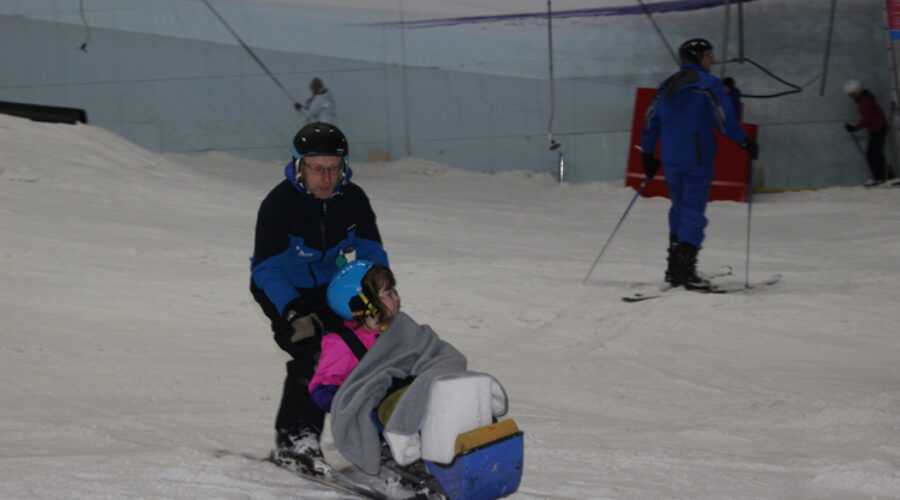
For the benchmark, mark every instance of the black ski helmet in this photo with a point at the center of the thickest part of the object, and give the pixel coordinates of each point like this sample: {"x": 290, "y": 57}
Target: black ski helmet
{"x": 320, "y": 139}
{"x": 692, "y": 50}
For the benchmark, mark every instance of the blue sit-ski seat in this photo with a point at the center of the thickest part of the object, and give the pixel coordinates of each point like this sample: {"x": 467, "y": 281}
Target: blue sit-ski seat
{"x": 487, "y": 464}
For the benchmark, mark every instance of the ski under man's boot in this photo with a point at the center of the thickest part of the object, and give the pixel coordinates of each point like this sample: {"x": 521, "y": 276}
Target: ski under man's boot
{"x": 684, "y": 272}
{"x": 300, "y": 450}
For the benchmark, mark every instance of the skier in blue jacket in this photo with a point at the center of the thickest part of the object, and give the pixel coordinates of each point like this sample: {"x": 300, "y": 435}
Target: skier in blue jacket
{"x": 686, "y": 108}
{"x": 307, "y": 227}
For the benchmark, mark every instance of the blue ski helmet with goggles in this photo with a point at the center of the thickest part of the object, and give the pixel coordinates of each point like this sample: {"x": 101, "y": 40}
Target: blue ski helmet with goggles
{"x": 320, "y": 139}
{"x": 345, "y": 292}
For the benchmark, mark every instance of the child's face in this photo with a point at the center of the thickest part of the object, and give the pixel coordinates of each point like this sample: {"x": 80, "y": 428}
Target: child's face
{"x": 390, "y": 299}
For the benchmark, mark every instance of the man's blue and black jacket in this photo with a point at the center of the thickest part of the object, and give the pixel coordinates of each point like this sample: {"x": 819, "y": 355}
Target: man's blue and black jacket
{"x": 300, "y": 240}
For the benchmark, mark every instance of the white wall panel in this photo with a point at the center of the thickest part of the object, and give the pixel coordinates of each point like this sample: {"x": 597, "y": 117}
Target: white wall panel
{"x": 461, "y": 82}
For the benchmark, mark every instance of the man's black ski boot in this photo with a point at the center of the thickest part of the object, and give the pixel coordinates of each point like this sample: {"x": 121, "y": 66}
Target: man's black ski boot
{"x": 299, "y": 449}
{"x": 685, "y": 268}
{"x": 670, "y": 259}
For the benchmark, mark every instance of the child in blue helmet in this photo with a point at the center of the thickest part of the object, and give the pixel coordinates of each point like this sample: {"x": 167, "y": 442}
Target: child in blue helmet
{"x": 363, "y": 294}
{"x": 380, "y": 363}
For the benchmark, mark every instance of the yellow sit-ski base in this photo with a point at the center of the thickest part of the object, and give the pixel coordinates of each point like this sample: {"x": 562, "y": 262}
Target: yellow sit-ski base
{"x": 484, "y": 435}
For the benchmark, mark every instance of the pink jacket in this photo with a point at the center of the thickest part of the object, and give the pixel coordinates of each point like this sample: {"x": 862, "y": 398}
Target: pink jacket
{"x": 872, "y": 116}
{"x": 337, "y": 360}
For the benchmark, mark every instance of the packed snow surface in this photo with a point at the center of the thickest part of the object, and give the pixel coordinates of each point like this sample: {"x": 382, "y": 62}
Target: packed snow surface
{"x": 131, "y": 349}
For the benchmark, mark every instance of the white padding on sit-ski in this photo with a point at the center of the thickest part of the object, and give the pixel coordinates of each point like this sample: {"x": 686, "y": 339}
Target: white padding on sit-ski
{"x": 456, "y": 405}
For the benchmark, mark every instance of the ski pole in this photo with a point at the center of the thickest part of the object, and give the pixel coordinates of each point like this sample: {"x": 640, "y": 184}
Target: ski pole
{"x": 863, "y": 153}
{"x": 858, "y": 145}
{"x": 640, "y": 189}
{"x": 749, "y": 211}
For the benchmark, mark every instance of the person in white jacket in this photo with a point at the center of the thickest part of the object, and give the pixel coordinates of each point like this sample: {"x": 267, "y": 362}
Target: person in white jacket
{"x": 320, "y": 105}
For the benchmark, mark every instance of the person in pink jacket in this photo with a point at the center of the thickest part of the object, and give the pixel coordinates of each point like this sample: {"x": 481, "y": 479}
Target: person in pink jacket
{"x": 364, "y": 295}
{"x": 873, "y": 120}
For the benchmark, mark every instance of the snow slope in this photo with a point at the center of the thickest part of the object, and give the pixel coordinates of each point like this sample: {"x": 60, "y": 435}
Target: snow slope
{"x": 131, "y": 350}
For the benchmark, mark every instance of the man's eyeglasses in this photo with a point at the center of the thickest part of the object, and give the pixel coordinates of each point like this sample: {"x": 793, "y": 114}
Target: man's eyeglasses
{"x": 321, "y": 170}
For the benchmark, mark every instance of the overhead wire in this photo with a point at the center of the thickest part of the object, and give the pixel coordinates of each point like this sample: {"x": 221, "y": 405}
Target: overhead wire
{"x": 659, "y": 32}
{"x": 794, "y": 88}
{"x": 87, "y": 27}
{"x": 296, "y": 104}
{"x": 740, "y": 59}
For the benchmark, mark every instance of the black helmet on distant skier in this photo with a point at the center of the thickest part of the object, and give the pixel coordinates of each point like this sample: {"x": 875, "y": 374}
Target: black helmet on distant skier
{"x": 692, "y": 50}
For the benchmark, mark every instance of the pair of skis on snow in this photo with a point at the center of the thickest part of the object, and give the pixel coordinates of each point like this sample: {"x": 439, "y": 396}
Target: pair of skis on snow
{"x": 713, "y": 288}
{"x": 399, "y": 483}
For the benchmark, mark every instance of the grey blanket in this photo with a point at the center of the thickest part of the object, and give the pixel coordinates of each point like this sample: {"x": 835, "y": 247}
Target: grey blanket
{"x": 405, "y": 348}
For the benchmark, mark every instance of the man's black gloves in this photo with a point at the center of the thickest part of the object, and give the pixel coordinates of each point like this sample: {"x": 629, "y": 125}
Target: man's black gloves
{"x": 298, "y": 106}
{"x": 651, "y": 165}
{"x": 849, "y": 128}
{"x": 304, "y": 327}
{"x": 751, "y": 148}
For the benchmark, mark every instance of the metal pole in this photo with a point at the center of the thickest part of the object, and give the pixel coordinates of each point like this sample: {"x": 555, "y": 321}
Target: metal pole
{"x": 553, "y": 144}
{"x": 562, "y": 165}
{"x": 749, "y": 212}
{"x": 740, "y": 30}
{"x": 404, "y": 80}
{"x": 641, "y": 189}
{"x": 895, "y": 89}
{"x": 827, "y": 49}
{"x": 725, "y": 38}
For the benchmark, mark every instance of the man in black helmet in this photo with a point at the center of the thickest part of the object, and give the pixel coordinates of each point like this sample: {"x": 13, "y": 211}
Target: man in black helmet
{"x": 687, "y": 107}
{"x": 308, "y": 226}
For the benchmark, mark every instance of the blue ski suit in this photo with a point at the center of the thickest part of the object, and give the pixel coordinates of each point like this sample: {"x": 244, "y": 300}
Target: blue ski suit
{"x": 682, "y": 114}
